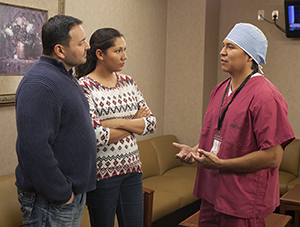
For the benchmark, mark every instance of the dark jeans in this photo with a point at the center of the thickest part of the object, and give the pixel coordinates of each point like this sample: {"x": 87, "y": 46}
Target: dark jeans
{"x": 39, "y": 212}
{"x": 121, "y": 194}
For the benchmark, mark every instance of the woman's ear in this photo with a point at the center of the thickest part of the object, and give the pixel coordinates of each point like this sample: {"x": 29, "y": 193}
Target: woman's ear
{"x": 59, "y": 51}
{"x": 99, "y": 54}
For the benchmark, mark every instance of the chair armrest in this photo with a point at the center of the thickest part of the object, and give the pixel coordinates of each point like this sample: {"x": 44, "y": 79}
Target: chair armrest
{"x": 148, "y": 206}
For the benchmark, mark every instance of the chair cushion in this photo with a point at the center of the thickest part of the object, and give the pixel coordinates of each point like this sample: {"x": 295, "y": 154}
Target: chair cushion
{"x": 284, "y": 179}
{"x": 182, "y": 187}
{"x": 166, "y": 152}
{"x": 164, "y": 203}
{"x": 10, "y": 214}
{"x": 291, "y": 157}
{"x": 149, "y": 159}
{"x": 292, "y": 183}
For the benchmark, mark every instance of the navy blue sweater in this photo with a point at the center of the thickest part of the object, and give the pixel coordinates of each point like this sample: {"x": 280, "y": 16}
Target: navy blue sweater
{"x": 56, "y": 143}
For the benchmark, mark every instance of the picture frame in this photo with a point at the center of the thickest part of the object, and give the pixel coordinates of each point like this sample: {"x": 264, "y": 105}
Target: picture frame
{"x": 9, "y": 81}
{"x": 7, "y": 99}
{"x": 61, "y": 6}
{"x": 21, "y": 42}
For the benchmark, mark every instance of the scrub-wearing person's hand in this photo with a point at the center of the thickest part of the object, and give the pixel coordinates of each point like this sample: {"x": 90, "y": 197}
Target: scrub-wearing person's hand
{"x": 207, "y": 159}
{"x": 185, "y": 153}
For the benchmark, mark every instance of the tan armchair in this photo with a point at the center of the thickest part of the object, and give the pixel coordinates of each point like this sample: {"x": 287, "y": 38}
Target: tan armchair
{"x": 148, "y": 206}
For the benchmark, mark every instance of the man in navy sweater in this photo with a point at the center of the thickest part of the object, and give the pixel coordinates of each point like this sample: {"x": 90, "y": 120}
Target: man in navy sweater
{"x": 56, "y": 143}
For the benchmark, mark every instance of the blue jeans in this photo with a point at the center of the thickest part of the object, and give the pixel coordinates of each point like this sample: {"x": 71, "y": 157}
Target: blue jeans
{"x": 121, "y": 194}
{"x": 39, "y": 212}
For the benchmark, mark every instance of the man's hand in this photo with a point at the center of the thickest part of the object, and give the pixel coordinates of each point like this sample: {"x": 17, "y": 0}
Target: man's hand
{"x": 185, "y": 153}
{"x": 207, "y": 159}
{"x": 71, "y": 200}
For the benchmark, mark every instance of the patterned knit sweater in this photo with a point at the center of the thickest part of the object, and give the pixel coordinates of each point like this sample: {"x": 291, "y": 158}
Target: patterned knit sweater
{"x": 121, "y": 101}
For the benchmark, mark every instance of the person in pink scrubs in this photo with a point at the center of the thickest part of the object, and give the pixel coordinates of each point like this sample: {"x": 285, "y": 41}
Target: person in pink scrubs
{"x": 244, "y": 133}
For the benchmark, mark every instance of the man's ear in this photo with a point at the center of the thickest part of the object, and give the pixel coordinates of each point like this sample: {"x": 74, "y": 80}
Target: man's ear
{"x": 99, "y": 54}
{"x": 250, "y": 59}
{"x": 59, "y": 51}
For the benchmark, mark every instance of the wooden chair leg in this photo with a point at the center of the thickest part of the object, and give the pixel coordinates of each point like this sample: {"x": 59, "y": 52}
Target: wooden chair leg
{"x": 297, "y": 218}
{"x": 148, "y": 206}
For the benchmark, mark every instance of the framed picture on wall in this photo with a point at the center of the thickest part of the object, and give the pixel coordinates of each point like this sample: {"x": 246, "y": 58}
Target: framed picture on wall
{"x": 7, "y": 99}
{"x": 20, "y": 38}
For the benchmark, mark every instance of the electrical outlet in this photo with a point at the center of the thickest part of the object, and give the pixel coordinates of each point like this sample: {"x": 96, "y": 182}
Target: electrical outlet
{"x": 260, "y": 13}
{"x": 275, "y": 13}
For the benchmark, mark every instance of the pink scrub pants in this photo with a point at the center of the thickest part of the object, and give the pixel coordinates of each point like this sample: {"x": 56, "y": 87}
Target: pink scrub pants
{"x": 208, "y": 217}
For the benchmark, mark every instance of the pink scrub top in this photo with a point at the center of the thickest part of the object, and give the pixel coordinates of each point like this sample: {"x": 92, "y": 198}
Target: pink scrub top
{"x": 256, "y": 119}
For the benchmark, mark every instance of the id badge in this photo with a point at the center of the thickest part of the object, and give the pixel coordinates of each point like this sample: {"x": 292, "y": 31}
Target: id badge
{"x": 216, "y": 145}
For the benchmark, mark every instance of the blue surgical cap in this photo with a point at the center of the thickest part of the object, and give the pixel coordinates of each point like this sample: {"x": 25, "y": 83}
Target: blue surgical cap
{"x": 251, "y": 39}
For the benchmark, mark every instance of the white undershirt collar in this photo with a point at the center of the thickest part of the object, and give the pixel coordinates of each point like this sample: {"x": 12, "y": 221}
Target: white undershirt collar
{"x": 230, "y": 91}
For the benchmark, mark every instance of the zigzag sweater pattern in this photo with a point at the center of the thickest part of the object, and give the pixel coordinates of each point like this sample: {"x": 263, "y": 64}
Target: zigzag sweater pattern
{"x": 121, "y": 101}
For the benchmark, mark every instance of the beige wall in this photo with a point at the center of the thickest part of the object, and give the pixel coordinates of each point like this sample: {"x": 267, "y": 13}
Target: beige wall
{"x": 8, "y": 84}
{"x": 184, "y": 69}
{"x": 144, "y": 24}
{"x": 282, "y": 67}
{"x": 173, "y": 49}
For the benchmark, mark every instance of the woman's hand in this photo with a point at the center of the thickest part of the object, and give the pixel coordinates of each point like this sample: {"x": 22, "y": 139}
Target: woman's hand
{"x": 117, "y": 123}
{"x": 143, "y": 112}
{"x": 135, "y": 125}
{"x": 111, "y": 123}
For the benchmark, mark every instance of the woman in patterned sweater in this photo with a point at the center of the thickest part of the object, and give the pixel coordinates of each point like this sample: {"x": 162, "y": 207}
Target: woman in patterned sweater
{"x": 118, "y": 112}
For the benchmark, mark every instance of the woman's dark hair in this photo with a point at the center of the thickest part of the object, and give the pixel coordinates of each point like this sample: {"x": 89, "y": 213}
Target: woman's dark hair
{"x": 102, "y": 39}
{"x": 56, "y": 31}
